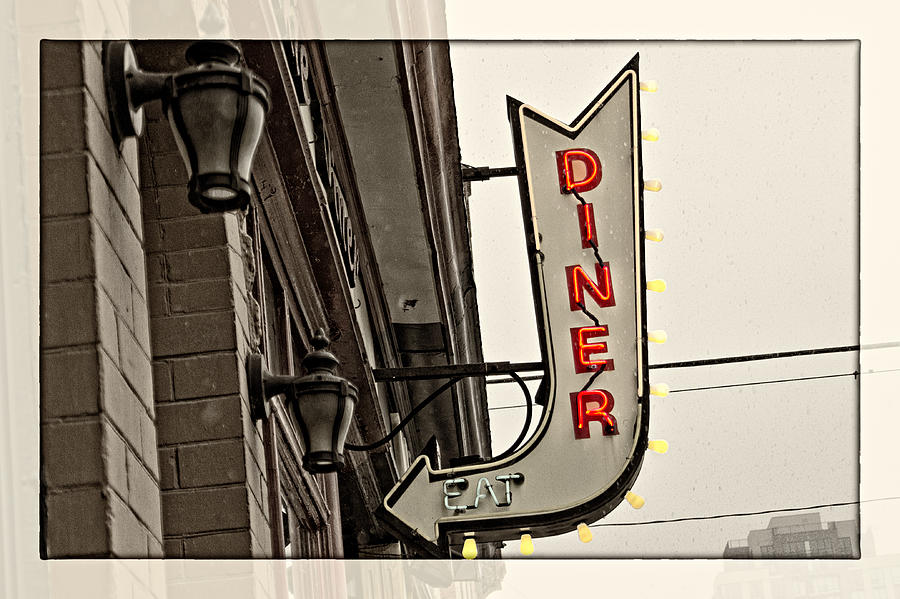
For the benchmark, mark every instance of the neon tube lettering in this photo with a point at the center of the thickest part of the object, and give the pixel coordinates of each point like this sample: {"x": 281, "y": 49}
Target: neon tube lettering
{"x": 585, "y": 345}
{"x": 583, "y": 160}
{"x": 594, "y": 405}
{"x": 577, "y": 280}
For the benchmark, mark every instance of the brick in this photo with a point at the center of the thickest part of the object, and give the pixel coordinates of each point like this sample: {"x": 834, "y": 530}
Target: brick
{"x": 211, "y": 464}
{"x": 124, "y": 235}
{"x": 207, "y": 230}
{"x": 206, "y": 376}
{"x": 199, "y": 264}
{"x": 143, "y": 493}
{"x": 168, "y": 169}
{"x": 260, "y": 552}
{"x": 173, "y": 548}
{"x": 61, "y": 64}
{"x": 173, "y": 203}
{"x": 128, "y": 539}
{"x": 120, "y": 403}
{"x": 141, "y": 320}
{"x": 233, "y": 232}
{"x": 241, "y": 271}
{"x": 259, "y": 524}
{"x": 135, "y": 365}
{"x": 168, "y": 468}
{"x": 145, "y": 167}
{"x": 71, "y": 453}
{"x": 198, "y": 420}
{"x": 149, "y": 201}
{"x": 160, "y": 136}
{"x": 68, "y": 314}
{"x": 252, "y": 438}
{"x": 162, "y": 382}
{"x": 108, "y": 155}
{"x": 62, "y": 122}
{"x": 195, "y": 333}
{"x": 149, "y": 455}
{"x": 158, "y": 300}
{"x": 76, "y": 523}
{"x": 155, "y": 551}
{"x": 70, "y": 383}
{"x": 114, "y": 451}
{"x": 201, "y": 296}
{"x": 108, "y": 331}
{"x": 66, "y": 250}
{"x": 205, "y": 510}
{"x": 64, "y": 185}
{"x": 156, "y": 269}
{"x": 255, "y": 479}
{"x": 222, "y": 545}
{"x": 94, "y": 79}
{"x": 112, "y": 276}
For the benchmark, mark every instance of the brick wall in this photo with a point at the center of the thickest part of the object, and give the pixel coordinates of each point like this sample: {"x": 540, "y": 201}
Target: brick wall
{"x": 99, "y": 471}
{"x": 210, "y": 453}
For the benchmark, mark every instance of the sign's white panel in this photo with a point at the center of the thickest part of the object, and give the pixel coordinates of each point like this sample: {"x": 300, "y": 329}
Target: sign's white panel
{"x": 581, "y": 187}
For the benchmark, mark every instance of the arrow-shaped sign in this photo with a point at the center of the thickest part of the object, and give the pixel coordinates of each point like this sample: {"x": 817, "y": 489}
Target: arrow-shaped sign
{"x": 581, "y": 189}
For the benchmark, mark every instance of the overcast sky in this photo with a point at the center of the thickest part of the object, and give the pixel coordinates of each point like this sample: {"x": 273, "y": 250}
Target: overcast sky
{"x": 760, "y": 207}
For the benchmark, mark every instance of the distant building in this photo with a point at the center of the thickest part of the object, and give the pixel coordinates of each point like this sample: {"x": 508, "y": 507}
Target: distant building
{"x": 876, "y": 576}
{"x": 799, "y": 536}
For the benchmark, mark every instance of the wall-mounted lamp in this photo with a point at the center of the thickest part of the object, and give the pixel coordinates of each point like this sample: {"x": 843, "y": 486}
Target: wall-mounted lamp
{"x": 321, "y": 402}
{"x": 216, "y": 109}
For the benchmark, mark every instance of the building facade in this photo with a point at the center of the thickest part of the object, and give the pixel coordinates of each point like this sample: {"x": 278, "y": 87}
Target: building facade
{"x": 799, "y": 536}
{"x": 357, "y": 226}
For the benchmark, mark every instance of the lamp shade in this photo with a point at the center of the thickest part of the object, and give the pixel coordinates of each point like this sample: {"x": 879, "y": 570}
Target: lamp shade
{"x": 322, "y": 404}
{"x": 217, "y": 112}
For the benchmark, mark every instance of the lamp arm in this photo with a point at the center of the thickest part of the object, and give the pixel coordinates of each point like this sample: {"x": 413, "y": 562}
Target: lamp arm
{"x": 263, "y": 385}
{"x": 145, "y": 86}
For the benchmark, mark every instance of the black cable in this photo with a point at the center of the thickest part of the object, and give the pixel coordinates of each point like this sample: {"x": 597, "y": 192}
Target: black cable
{"x": 803, "y": 378}
{"x": 741, "y": 514}
{"x": 407, "y": 419}
{"x": 528, "y": 412}
{"x": 769, "y": 356}
{"x": 434, "y": 395}
{"x": 807, "y": 378}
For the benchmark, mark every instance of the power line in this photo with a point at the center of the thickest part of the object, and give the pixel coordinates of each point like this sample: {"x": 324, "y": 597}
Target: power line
{"x": 741, "y": 514}
{"x": 754, "y": 357}
{"x": 803, "y": 378}
{"x": 749, "y": 384}
{"x": 748, "y": 358}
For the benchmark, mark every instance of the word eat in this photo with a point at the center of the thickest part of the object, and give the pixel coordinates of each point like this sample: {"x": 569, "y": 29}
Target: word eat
{"x": 455, "y": 486}
{"x": 580, "y": 170}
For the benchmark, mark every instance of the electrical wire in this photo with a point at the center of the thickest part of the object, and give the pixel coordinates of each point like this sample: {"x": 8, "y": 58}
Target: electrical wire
{"x": 412, "y": 414}
{"x": 749, "y": 384}
{"x": 742, "y": 514}
{"x": 437, "y": 393}
{"x": 528, "y": 413}
{"x": 854, "y": 374}
{"x": 754, "y": 357}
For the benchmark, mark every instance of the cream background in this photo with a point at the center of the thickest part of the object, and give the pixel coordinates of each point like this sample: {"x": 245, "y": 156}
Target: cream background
{"x": 24, "y": 23}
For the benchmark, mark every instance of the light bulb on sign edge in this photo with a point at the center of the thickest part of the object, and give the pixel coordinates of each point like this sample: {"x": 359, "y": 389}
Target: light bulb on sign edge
{"x": 584, "y": 533}
{"x": 659, "y": 389}
{"x": 470, "y": 550}
{"x": 651, "y": 134}
{"x": 659, "y": 336}
{"x": 657, "y": 285}
{"x": 649, "y": 86}
{"x": 636, "y": 501}
{"x": 652, "y": 185}
{"x": 653, "y": 235}
{"x": 526, "y": 545}
{"x": 658, "y": 445}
